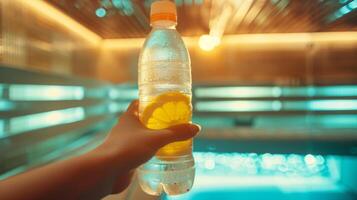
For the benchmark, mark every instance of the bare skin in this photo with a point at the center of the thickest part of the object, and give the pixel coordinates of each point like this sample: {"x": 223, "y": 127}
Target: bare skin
{"x": 102, "y": 171}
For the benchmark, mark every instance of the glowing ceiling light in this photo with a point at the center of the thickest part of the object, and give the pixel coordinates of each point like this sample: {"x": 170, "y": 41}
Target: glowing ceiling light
{"x": 352, "y": 5}
{"x": 100, "y": 12}
{"x": 208, "y": 42}
{"x": 125, "y": 6}
{"x": 343, "y": 11}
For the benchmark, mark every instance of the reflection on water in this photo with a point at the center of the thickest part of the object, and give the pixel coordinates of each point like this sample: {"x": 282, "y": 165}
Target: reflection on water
{"x": 248, "y": 176}
{"x": 248, "y": 164}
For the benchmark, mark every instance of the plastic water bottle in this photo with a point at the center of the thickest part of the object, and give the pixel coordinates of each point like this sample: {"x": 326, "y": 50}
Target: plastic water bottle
{"x": 165, "y": 100}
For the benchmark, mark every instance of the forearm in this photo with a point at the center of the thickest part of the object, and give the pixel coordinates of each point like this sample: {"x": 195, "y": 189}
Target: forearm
{"x": 100, "y": 172}
{"x": 90, "y": 175}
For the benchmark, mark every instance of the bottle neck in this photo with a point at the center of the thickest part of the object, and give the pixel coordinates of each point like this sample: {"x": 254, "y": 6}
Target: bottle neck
{"x": 167, "y": 24}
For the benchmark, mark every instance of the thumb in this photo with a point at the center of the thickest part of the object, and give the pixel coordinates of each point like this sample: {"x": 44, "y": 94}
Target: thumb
{"x": 175, "y": 133}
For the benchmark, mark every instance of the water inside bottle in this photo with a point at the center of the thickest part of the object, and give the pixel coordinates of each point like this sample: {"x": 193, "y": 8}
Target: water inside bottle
{"x": 165, "y": 100}
{"x": 170, "y": 176}
{"x": 165, "y": 95}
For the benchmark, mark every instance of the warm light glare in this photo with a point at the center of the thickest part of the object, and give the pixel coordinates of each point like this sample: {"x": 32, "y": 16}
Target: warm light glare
{"x": 208, "y": 42}
{"x": 54, "y": 14}
{"x": 123, "y": 43}
{"x": 205, "y": 42}
{"x": 286, "y": 38}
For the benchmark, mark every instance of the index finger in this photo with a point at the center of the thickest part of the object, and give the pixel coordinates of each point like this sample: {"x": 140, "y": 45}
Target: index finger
{"x": 133, "y": 108}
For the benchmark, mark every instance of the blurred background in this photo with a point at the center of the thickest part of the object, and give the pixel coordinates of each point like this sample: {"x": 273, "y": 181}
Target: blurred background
{"x": 274, "y": 87}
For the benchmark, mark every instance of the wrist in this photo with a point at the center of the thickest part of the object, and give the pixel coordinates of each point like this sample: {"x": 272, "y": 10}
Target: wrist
{"x": 106, "y": 155}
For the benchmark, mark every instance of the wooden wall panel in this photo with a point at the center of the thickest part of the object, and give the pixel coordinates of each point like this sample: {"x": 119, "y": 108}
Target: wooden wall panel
{"x": 31, "y": 40}
{"x": 288, "y": 64}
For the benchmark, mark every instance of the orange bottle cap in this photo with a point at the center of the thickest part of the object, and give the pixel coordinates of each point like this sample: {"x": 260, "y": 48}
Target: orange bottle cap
{"x": 163, "y": 10}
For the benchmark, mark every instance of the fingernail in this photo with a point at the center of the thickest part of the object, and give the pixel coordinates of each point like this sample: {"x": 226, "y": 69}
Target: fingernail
{"x": 196, "y": 128}
{"x": 199, "y": 127}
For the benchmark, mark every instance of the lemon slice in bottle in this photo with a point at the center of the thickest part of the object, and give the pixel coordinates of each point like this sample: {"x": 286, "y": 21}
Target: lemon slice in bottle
{"x": 166, "y": 110}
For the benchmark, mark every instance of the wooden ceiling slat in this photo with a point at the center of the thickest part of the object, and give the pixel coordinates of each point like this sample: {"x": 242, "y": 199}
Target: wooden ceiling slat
{"x": 308, "y": 11}
{"x": 251, "y": 23}
{"x": 288, "y": 18}
{"x": 275, "y": 16}
{"x": 263, "y": 18}
{"x": 297, "y": 16}
{"x": 270, "y": 14}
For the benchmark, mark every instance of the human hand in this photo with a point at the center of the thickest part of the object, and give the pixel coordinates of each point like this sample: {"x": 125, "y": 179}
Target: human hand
{"x": 102, "y": 171}
{"x": 133, "y": 144}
